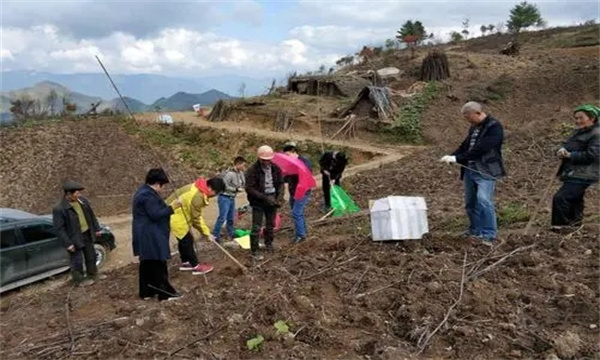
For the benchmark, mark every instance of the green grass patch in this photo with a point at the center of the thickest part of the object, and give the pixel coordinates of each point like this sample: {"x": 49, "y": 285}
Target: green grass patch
{"x": 512, "y": 213}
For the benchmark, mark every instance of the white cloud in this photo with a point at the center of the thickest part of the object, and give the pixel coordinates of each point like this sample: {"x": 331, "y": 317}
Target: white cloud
{"x": 340, "y": 37}
{"x": 311, "y": 34}
{"x": 6, "y": 54}
{"x": 172, "y": 51}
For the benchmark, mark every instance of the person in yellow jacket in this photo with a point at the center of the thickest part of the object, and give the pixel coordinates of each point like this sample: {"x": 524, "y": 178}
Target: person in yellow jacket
{"x": 194, "y": 197}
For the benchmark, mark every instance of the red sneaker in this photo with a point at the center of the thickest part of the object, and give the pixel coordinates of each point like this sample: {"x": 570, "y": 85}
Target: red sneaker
{"x": 202, "y": 269}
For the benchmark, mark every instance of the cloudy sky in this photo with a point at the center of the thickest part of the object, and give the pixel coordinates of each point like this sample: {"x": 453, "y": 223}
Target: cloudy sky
{"x": 255, "y": 38}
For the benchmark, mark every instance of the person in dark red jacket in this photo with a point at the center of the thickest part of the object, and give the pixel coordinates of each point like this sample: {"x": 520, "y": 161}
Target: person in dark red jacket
{"x": 150, "y": 236}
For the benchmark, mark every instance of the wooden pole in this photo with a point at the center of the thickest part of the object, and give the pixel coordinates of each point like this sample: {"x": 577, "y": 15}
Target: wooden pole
{"x": 239, "y": 264}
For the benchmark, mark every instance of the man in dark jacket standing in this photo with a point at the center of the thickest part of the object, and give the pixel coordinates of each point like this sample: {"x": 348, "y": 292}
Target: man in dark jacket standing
{"x": 76, "y": 227}
{"x": 480, "y": 155}
{"x": 264, "y": 188}
{"x": 333, "y": 164}
{"x": 150, "y": 230}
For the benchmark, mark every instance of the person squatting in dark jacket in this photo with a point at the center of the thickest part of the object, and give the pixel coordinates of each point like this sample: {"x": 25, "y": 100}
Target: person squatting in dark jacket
{"x": 297, "y": 206}
{"x": 264, "y": 189}
{"x": 76, "y": 227}
{"x": 480, "y": 155}
{"x": 579, "y": 168}
{"x": 150, "y": 236}
{"x": 332, "y": 164}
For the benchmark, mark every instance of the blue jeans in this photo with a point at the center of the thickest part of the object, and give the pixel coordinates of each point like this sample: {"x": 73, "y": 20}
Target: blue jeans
{"x": 297, "y": 207}
{"x": 226, "y": 214}
{"x": 479, "y": 204}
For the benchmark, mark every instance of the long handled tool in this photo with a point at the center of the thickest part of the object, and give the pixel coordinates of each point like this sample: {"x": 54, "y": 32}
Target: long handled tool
{"x": 162, "y": 291}
{"x": 244, "y": 269}
{"x": 156, "y": 155}
{"x": 539, "y": 206}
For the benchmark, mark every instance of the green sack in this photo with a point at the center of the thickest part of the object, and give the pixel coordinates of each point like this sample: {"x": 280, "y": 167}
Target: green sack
{"x": 238, "y": 233}
{"x": 341, "y": 202}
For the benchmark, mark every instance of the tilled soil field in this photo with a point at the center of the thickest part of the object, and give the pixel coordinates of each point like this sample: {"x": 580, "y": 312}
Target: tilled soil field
{"x": 341, "y": 297}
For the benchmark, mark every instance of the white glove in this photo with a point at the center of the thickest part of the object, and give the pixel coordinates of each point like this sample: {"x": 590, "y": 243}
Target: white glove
{"x": 211, "y": 238}
{"x": 562, "y": 153}
{"x": 448, "y": 159}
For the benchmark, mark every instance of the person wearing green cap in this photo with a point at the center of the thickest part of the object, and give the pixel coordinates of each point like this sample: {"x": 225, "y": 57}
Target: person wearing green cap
{"x": 579, "y": 168}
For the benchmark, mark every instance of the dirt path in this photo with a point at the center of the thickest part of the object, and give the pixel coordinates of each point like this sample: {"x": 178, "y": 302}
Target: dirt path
{"x": 191, "y": 118}
{"x": 121, "y": 224}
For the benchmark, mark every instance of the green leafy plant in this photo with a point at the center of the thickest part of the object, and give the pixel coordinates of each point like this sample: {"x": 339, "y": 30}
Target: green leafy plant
{"x": 282, "y": 327}
{"x": 255, "y": 343}
{"x": 407, "y": 125}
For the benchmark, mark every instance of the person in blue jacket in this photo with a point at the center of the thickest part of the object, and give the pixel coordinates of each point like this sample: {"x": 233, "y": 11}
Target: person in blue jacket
{"x": 151, "y": 229}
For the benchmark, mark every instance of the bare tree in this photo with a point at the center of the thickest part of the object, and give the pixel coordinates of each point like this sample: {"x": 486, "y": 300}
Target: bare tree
{"x": 465, "y": 30}
{"x": 51, "y": 102}
{"x": 242, "y": 90}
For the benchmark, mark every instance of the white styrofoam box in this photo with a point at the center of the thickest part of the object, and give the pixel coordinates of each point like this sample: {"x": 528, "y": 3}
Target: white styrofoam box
{"x": 399, "y": 218}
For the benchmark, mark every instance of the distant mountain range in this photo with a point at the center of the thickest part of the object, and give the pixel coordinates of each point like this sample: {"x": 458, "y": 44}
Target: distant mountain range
{"x": 143, "y": 87}
{"x": 42, "y": 91}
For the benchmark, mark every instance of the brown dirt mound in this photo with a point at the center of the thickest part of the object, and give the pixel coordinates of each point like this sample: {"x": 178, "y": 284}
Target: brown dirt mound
{"x": 343, "y": 297}
{"x": 35, "y": 161}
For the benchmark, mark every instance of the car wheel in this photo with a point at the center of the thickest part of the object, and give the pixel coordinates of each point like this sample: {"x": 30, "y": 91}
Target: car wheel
{"x": 100, "y": 255}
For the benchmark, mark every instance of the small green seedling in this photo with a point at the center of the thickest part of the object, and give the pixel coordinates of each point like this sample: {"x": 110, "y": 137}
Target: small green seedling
{"x": 255, "y": 343}
{"x": 282, "y": 327}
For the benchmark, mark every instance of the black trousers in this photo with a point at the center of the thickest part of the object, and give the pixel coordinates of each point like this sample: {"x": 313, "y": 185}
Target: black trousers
{"x": 155, "y": 275}
{"x": 258, "y": 213}
{"x": 567, "y": 205}
{"x": 85, "y": 254}
{"x": 326, "y": 185}
{"x": 186, "y": 249}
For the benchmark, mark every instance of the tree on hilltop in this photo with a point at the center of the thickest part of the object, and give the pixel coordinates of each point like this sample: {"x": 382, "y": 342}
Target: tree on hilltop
{"x": 412, "y": 34}
{"x": 524, "y": 15}
{"x": 455, "y": 37}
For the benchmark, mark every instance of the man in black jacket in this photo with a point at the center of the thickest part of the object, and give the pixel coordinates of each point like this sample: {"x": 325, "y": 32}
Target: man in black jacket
{"x": 480, "y": 155}
{"x": 76, "y": 227}
{"x": 333, "y": 164}
{"x": 264, "y": 188}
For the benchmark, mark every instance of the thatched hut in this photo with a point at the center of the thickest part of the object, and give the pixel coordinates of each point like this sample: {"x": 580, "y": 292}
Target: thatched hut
{"x": 371, "y": 102}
